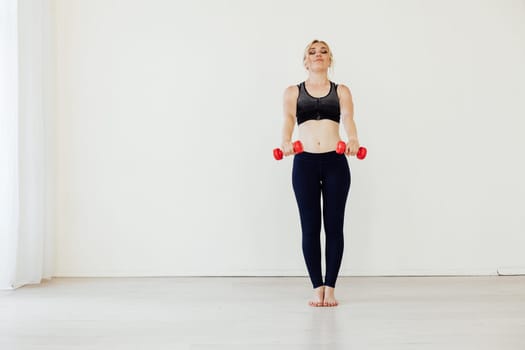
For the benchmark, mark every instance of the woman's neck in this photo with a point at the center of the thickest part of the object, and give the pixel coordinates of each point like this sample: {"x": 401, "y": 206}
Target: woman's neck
{"x": 318, "y": 78}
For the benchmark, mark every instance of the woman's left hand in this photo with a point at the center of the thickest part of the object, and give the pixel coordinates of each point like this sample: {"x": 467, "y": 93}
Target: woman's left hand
{"x": 352, "y": 147}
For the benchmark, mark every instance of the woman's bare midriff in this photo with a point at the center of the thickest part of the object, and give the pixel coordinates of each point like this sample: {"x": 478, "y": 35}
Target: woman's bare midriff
{"x": 319, "y": 136}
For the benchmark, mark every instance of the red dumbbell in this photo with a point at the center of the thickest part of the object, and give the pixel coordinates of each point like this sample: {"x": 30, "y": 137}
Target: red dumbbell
{"x": 297, "y": 148}
{"x": 341, "y": 148}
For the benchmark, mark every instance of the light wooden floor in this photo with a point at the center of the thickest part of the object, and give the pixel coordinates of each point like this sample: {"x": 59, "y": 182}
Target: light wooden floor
{"x": 265, "y": 313}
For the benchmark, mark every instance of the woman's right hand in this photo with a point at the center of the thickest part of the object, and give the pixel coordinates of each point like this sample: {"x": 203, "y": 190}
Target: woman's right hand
{"x": 287, "y": 147}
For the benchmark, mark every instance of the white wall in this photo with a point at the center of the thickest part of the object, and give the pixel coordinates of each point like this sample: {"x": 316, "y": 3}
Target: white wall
{"x": 168, "y": 112}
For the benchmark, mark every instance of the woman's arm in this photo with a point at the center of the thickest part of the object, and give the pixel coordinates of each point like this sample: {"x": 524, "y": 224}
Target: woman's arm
{"x": 347, "y": 117}
{"x": 289, "y": 107}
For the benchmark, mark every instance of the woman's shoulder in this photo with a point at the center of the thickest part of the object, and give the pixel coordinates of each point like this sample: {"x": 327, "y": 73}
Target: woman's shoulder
{"x": 342, "y": 88}
{"x": 296, "y": 86}
{"x": 339, "y": 84}
{"x": 292, "y": 90}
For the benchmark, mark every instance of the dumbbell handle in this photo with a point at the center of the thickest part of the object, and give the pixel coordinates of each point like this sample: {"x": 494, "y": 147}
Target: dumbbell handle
{"x": 297, "y": 148}
{"x": 341, "y": 148}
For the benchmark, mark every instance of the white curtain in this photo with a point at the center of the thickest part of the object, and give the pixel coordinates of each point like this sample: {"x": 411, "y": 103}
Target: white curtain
{"x": 26, "y": 152}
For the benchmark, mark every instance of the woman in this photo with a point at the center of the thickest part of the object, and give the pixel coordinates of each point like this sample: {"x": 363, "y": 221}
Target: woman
{"x": 318, "y": 106}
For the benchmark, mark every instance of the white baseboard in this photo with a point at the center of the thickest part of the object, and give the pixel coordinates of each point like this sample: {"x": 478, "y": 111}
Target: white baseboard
{"x": 299, "y": 273}
{"x": 511, "y": 270}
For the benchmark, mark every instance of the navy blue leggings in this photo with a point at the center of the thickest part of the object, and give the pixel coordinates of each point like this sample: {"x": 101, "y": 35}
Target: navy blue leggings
{"x": 313, "y": 175}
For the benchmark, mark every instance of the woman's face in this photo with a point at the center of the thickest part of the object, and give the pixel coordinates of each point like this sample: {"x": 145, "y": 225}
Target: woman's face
{"x": 317, "y": 58}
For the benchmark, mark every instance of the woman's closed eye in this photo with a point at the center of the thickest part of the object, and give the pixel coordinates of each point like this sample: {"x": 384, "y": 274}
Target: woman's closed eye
{"x": 313, "y": 52}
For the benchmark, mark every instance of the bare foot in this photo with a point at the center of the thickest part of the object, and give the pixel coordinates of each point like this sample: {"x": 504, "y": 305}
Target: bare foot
{"x": 318, "y": 297}
{"x": 329, "y": 298}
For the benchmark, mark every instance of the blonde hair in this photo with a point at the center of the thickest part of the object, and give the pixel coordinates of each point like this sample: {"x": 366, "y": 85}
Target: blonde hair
{"x": 316, "y": 41}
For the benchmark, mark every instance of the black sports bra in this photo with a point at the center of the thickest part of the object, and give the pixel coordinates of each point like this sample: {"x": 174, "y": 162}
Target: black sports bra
{"x": 316, "y": 108}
